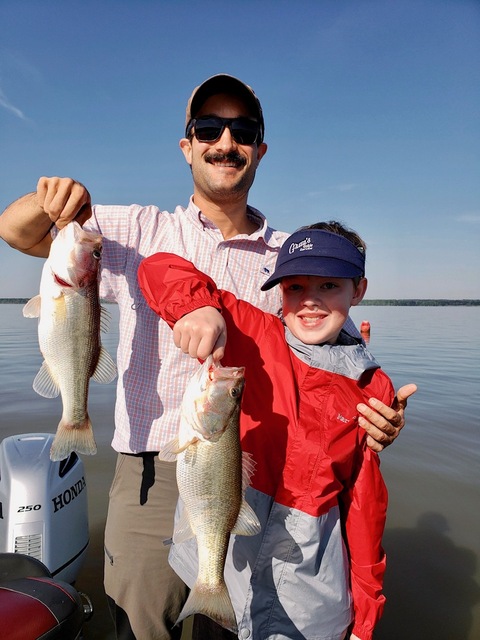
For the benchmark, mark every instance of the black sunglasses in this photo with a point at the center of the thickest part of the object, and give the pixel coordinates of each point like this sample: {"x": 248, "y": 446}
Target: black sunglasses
{"x": 210, "y": 129}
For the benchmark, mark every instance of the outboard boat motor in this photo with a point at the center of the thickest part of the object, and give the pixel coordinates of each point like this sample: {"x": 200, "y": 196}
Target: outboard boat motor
{"x": 43, "y": 504}
{"x": 43, "y": 541}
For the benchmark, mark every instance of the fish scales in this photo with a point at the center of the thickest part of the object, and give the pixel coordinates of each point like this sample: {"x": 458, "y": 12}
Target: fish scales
{"x": 71, "y": 346}
{"x": 70, "y": 320}
{"x": 210, "y": 483}
{"x": 212, "y": 476}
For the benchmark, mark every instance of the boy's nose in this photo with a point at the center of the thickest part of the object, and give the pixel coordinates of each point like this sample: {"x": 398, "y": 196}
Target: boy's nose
{"x": 310, "y": 301}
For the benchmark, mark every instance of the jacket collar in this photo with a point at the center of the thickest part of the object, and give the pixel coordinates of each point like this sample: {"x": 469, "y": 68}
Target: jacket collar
{"x": 348, "y": 357}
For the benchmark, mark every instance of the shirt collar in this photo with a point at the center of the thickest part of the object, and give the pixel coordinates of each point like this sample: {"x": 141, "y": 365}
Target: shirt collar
{"x": 264, "y": 232}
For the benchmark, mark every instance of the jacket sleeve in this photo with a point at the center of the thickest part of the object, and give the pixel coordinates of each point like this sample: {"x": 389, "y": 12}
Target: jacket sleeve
{"x": 173, "y": 287}
{"x": 365, "y": 509}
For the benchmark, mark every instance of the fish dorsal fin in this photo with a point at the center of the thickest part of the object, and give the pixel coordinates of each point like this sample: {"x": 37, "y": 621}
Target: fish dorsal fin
{"x": 106, "y": 369}
{"x": 44, "y": 384}
{"x": 248, "y": 468}
{"x": 104, "y": 319}
{"x": 32, "y": 308}
{"x": 183, "y": 530}
{"x": 247, "y": 523}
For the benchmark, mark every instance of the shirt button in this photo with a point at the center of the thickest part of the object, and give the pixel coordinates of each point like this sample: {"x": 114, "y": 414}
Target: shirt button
{"x": 244, "y": 634}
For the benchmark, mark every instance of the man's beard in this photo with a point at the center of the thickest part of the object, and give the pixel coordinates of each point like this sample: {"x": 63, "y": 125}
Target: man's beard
{"x": 245, "y": 180}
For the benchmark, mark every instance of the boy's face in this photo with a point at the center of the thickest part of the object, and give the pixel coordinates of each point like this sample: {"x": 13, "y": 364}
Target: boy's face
{"x": 315, "y": 308}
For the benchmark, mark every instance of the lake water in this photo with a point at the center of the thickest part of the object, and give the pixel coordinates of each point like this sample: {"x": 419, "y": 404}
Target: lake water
{"x": 432, "y": 471}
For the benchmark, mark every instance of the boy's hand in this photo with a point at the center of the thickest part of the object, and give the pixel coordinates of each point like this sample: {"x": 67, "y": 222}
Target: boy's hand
{"x": 200, "y": 333}
{"x": 383, "y": 423}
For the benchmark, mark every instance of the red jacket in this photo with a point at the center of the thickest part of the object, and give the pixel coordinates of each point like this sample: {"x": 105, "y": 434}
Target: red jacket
{"x": 315, "y": 478}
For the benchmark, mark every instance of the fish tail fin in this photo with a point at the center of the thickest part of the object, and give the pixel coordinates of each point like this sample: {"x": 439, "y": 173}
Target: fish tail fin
{"x": 215, "y": 604}
{"x": 78, "y": 438}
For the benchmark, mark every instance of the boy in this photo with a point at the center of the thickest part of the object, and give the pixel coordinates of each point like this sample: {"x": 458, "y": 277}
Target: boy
{"x": 316, "y": 570}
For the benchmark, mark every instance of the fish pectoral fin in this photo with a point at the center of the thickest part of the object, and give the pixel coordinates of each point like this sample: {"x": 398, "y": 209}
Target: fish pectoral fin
{"x": 106, "y": 370}
{"x": 32, "y": 308}
{"x": 44, "y": 384}
{"x": 183, "y": 530}
{"x": 185, "y": 445}
{"x": 247, "y": 523}
{"x": 169, "y": 451}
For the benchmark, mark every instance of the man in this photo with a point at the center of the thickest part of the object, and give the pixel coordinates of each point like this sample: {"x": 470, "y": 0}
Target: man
{"x": 222, "y": 236}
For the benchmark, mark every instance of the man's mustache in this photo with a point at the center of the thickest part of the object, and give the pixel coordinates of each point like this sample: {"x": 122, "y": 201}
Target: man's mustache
{"x": 232, "y": 157}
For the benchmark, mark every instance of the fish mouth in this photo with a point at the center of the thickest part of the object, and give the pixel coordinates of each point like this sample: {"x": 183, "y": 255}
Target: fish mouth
{"x": 216, "y": 372}
{"x": 61, "y": 282}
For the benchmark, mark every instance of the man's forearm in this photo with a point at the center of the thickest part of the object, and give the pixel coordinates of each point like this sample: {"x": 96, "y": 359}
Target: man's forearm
{"x": 25, "y": 226}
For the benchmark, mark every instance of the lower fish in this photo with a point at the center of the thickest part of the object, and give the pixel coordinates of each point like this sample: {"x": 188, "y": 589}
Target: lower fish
{"x": 70, "y": 319}
{"x": 212, "y": 477}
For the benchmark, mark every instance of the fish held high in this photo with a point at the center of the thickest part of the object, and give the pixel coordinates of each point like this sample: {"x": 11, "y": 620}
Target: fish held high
{"x": 70, "y": 319}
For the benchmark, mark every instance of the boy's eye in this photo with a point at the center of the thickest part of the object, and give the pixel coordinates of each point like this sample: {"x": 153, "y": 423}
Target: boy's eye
{"x": 329, "y": 285}
{"x": 294, "y": 287}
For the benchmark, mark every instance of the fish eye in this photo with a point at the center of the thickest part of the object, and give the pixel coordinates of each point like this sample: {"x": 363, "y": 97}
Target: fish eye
{"x": 97, "y": 254}
{"x": 234, "y": 392}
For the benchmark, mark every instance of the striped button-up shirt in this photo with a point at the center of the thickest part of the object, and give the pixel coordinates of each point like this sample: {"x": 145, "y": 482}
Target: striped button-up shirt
{"x": 152, "y": 372}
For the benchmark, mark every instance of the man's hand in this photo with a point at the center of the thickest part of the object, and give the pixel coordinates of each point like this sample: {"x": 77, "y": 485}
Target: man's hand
{"x": 200, "y": 333}
{"x": 64, "y": 200}
{"x": 382, "y": 423}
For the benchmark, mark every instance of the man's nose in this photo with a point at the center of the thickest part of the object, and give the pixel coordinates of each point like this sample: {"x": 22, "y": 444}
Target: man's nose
{"x": 226, "y": 141}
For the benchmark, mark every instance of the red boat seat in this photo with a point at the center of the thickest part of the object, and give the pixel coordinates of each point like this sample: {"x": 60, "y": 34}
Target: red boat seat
{"x": 37, "y": 607}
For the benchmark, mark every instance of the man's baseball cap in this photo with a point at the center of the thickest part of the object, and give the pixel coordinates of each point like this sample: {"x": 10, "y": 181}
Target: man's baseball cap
{"x": 315, "y": 252}
{"x": 225, "y": 83}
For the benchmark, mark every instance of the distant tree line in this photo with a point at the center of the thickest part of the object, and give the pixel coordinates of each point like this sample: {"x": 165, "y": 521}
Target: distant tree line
{"x": 25, "y": 300}
{"x": 414, "y": 302}
{"x": 421, "y": 303}
{"x": 14, "y": 300}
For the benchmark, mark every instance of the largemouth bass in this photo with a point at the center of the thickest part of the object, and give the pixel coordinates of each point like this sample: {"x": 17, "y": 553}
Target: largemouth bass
{"x": 212, "y": 477}
{"x": 70, "y": 319}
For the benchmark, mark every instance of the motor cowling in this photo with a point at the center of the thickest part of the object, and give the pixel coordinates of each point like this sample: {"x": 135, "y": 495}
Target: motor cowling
{"x": 43, "y": 505}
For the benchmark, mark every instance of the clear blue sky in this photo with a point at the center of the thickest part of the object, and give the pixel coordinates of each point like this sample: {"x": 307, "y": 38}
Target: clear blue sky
{"x": 372, "y": 112}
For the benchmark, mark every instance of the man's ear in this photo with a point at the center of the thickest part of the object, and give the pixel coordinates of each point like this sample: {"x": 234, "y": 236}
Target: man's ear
{"x": 261, "y": 151}
{"x": 186, "y": 146}
{"x": 359, "y": 292}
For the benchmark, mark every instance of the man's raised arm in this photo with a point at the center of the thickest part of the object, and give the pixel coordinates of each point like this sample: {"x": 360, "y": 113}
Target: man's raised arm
{"x": 25, "y": 224}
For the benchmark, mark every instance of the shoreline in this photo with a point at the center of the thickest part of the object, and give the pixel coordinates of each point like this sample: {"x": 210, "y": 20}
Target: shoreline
{"x": 387, "y": 302}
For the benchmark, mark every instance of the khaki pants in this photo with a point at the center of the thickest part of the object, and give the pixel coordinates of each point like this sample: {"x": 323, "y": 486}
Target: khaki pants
{"x": 138, "y": 577}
